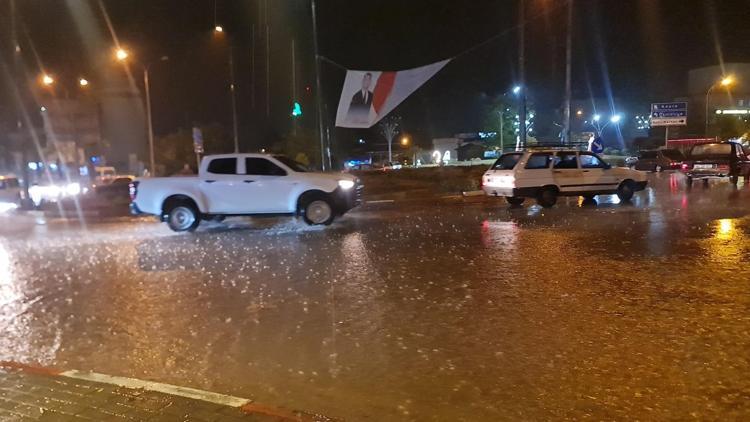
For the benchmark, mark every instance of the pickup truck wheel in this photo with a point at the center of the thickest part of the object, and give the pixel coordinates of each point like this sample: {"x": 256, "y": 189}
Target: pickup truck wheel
{"x": 625, "y": 191}
{"x": 317, "y": 211}
{"x": 183, "y": 217}
{"x": 515, "y": 200}
{"x": 547, "y": 198}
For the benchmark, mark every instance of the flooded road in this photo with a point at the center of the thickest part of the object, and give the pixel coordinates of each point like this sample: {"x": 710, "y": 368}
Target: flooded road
{"x": 419, "y": 311}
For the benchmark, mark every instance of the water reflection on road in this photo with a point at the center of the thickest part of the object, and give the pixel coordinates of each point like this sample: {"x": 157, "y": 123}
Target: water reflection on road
{"x": 415, "y": 312}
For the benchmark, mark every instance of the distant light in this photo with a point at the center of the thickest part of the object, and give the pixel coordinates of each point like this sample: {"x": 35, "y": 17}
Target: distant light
{"x": 739, "y": 111}
{"x": 516, "y": 89}
{"x": 728, "y": 80}
{"x": 218, "y": 28}
{"x": 597, "y": 117}
{"x": 579, "y": 113}
{"x": 47, "y": 80}
{"x": 121, "y": 54}
{"x": 42, "y": 109}
{"x": 33, "y": 165}
{"x": 615, "y": 119}
{"x": 361, "y": 141}
{"x": 83, "y": 82}
{"x": 405, "y": 141}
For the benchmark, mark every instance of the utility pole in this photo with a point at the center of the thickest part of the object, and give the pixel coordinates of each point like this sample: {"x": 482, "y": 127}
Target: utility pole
{"x": 522, "y": 71}
{"x": 294, "y": 88}
{"x": 568, "y": 76}
{"x": 319, "y": 93}
{"x": 252, "y": 67}
{"x": 268, "y": 60}
{"x": 149, "y": 122}
{"x": 232, "y": 88}
{"x": 502, "y": 130}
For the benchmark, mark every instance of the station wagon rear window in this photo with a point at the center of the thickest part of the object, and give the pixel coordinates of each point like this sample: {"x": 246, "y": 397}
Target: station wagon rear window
{"x": 507, "y": 161}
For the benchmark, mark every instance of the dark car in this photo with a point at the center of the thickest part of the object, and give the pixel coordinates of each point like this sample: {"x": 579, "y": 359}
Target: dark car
{"x": 660, "y": 160}
{"x": 119, "y": 188}
{"x": 717, "y": 160}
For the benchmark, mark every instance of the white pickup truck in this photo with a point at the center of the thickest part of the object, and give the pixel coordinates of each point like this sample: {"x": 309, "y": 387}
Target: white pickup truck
{"x": 245, "y": 184}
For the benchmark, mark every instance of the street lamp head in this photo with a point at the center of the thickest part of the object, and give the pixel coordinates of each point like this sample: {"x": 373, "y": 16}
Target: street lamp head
{"x": 615, "y": 119}
{"x": 83, "y": 82}
{"x": 517, "y": 89}
{"x": 727, "y": 81}
{"x": 597, "y": 117}
{"x": 218, "y": 28}
{"x": 405, "y": 141}
{"x": 579, "y": 113}
{"x": 121, "y": 54}
{"x": 47, "y": 80}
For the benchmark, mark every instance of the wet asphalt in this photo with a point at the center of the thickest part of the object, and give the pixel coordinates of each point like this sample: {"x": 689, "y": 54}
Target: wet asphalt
{"x": 427, "y": 310}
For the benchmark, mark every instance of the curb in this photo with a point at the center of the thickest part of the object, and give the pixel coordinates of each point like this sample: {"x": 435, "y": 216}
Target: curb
{"x": 245, "y": 405}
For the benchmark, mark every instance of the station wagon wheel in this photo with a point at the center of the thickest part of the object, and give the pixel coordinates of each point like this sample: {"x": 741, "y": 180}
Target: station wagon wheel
{"x": 625, "y": 191}
{"x": 547, "y": 197}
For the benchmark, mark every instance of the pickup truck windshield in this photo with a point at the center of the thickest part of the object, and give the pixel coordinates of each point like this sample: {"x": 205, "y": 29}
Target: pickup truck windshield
{"x": 298, "y": 167}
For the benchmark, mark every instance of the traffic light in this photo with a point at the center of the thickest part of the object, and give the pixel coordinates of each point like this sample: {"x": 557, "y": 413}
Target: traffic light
{"x": 296, "y": 110}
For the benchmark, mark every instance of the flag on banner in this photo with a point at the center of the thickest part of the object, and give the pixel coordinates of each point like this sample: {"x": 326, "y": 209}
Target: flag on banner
{"x": 368, "y": 96}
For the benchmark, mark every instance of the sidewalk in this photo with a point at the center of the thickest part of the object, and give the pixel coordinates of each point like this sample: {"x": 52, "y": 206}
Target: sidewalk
{"x": 37, "y": 394}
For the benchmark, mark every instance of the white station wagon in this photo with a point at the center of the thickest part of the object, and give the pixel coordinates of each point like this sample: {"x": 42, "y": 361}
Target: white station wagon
{"x": 547, "y": 174}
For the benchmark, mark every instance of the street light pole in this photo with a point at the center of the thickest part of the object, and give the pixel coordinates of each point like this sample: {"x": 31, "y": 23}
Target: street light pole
{"x": 726, "y": 81}
{"x": 319, "y": 94}
{"x": 149, "y": 122}
{"x": 234, "y": 99}
{"x": 522, "y": 71}
{"x": 568, "y": 75}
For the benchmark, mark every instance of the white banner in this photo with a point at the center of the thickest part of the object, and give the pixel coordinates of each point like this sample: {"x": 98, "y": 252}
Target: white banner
{"x": 368, "y": 96}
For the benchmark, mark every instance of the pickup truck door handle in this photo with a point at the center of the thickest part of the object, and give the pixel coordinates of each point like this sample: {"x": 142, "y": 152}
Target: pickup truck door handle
{"x": 248, "y": 181}
{"x": 210, "y": 181}
{"x": 585, "y": 171}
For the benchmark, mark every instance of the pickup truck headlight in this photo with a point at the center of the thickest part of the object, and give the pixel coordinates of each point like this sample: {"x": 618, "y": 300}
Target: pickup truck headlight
{"x": 346, "y": 184}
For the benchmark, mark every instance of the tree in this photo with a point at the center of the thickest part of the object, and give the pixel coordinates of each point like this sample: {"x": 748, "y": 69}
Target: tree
{"x": 302, "y": 146}
{"x": 501, "y": 119}
{"x": 389, "y": 128}
{"x": 175, "y": 150}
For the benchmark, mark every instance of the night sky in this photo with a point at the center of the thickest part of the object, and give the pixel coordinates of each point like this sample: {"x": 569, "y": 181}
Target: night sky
{"x": 642, "y": 47}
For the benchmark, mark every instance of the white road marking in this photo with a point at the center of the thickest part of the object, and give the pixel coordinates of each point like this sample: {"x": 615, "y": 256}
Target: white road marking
{"x": 382, "y": 201}
{"x": 174, "y": 390}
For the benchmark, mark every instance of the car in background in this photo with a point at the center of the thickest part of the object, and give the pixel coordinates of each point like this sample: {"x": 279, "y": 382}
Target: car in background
{"x": 717, "y": 160}
{"x": 660, "y": 160}
{"x": 547, "y": 174}
{"x": 10, "y": 193}
{"x": 117, "y": 188}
